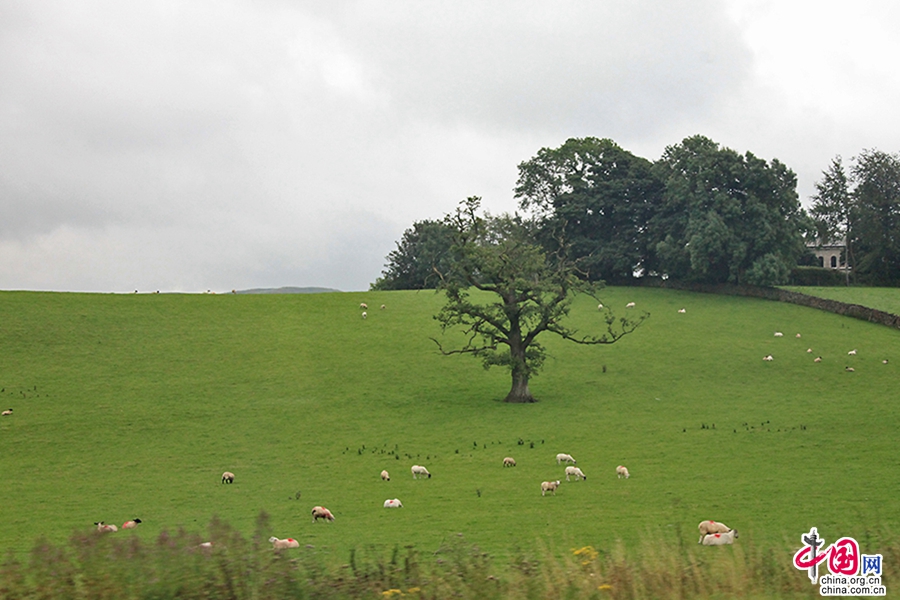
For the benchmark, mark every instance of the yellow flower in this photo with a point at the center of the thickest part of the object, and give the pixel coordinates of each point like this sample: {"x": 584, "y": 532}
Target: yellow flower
{"x": 605, "y": 586}
{"x": 588, "y": 554}
{"x": 391, "y": 592}
{"x": 413, "y": 590}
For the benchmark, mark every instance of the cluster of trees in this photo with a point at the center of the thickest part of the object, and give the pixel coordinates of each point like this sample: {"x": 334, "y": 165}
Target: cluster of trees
{"x": 701, "y": 213}
{"x": 861, "y": 208}
{"x": 595, "y": 212}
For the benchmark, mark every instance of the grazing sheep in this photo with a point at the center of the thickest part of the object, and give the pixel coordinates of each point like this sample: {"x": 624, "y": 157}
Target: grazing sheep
{"x": 706, "y": 527}
{"x": 385, "y": 476}
{"x": 779, "y": 334}
{"x": 227, "y": 477}
{"x": 104, "y": 528}
{"x": 600, "y": 307}
{"x": 364, "y": 306}
{"x": 852, "y": 353}
{"x": 681, "y": 310}
{"x": 622, "y": 472}
{"x": 629, "y": 305}
{"x": 509, "y": 461}
{"x": 564, "y": 457}
{"x": 884, "y": 362}
{"x": 395, "y": 503}
{"x": 549, "y": 486}
{"x": 817, "y": 359}
{"x": 576, "y": 472}
{"x": 383, "y": 307}
{"x": 131, "y": 524}
{"x": 809, "y": 350}
{"x": 419, "y": 470}
{"x": 365, "y": 315}
{"x": 798, "y": 335}
{"x": 7, "y": 412}
{"x": 285, "y": 543}
{"x": 719, "y": 539}
{"x": 768, "y": 357}
{"x": 320, "y": 512}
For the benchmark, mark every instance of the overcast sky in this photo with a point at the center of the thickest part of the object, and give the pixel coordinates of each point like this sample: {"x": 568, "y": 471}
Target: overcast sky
{"x": 182, "y": 145}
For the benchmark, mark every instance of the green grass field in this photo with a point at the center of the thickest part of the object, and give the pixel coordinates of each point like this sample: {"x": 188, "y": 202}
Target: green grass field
{"x": 133, "y": 405}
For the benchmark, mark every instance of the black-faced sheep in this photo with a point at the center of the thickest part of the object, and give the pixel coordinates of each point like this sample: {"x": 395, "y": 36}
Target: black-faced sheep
{"x": 130, "y": 524}
{"x": 320, "y": 512}
{"x": 7, "y": 412}
{"x": 104, "y": 528}
{"x": 385, "y": 476}
{"x": 509, "y": 461}
{"x": 576, "y": 472}
{"x": 419, "y": 470}
{"x": 227, "y": 477}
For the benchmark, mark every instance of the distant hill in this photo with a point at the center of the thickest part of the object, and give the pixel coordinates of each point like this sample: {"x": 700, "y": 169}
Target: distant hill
{"x": 288, "y": 290}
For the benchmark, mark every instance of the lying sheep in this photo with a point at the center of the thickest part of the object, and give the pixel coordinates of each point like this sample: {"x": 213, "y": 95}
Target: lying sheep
{"x": 7, "y": 412}
{"x": 851, "y": 353}
{"x": 395, "y": 503}
{"x": 779, "y": 334}
{"x": 706, "y": 527}
{"x": 320, "y": 512}
{"x": 817, "y": 359}
{"x": 629, "y": 305}
{"x": 227, "y": 477}
{"x": 419, "y": 470}
{"x": 576, "y": 472}
{"x": 549, "y": 486}
{"x": 383, "y": 307}
{"x": 622, "y": 472}
{"x": 509, "y": 461}
{"x": 285, "y": 543}
{"x": 206, "y": 544}
{"x": 385, "y": 476}
{"x": 719, "y": 539}
{"x": 681, "y": 310}
{"x": 104, "y": 528}
{"x": 768, "y": 358}
{"x": 130, "y": 524}
{"x": 564, "y": 457}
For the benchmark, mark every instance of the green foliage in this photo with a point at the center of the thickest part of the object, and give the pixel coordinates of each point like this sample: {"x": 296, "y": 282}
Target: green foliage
{"x": 530, "y": 293}
{"x": 816, "y": 276}
{"x": 599, "y": 198}
{"x": 876, "y": 230}
{"x": 726, "y": 218}
{"x": 421, "y": 257}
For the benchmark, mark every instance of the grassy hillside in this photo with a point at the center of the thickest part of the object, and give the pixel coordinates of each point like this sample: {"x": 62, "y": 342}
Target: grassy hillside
{"x": 886, "y": 299}
{"x": 133, "y": 405}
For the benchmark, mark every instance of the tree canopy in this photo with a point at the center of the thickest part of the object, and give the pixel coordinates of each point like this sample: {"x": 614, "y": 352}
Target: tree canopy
{"x": 421, "y": 256}
{"x": 504, "y": 289}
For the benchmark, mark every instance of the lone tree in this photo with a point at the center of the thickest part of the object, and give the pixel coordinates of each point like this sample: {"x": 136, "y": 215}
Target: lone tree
{"x": 504, "y": 290}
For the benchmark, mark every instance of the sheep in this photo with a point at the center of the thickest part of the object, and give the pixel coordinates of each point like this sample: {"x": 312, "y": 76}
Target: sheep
{"x": 682, "y": 311}
{"x": 564, "y": 457}
{"x": 849, "y": 369}
{"x": 104, "y": 528}
{"x": 629, "y": 305}
{"x": 509, "y": 461}
{"x": 779, "y": 334}
{"x": 852, "y": 353}
{"x": 817, "y": 359}
{"x": 719, "y": 539}
{"x": 320, "y": 512}
{"x": 706, "y": 527}
{"x": 549, "y": 486}
{"x": 798, "y": 335}
{"x": 383, "y": 307}
{"x": 365, "y": 315}
{"x": 385, "y": 476}
{"x": 131, "y": 524}
{"x": 363, "y": 306}
{"x": 809, "y": 350}
{"x": 576, "y": 472}
{"x": 419, "y": 470}
{"x": 227, "y": 477}
{"x": 600, "y": 307}
{"x": 622, "y": 472}
{"x": 768, "y": 358}
{"x": 395, "y": 503}
{"x": 7, "y": 412}
{"x": 884, "y": 362}
{"x": 206, "y": 544}
{"x": 285, "y": 543}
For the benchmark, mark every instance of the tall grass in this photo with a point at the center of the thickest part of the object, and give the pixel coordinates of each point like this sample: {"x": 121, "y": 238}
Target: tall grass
{"x": 98, "y": 566}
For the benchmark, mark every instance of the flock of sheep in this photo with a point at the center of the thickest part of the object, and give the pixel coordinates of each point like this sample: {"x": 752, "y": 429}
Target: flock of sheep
{"x": 818, "y": 359}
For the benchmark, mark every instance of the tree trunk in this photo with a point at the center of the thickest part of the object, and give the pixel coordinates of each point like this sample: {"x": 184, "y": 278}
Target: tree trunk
{"x": 519, "y": 392}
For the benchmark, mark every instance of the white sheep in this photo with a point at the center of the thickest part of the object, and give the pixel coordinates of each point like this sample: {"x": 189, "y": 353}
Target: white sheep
{"x": 629, "y": 305}
{"x": 576, "y": 472}
{"x": 681, "y": 310}
{"x": 817, "y": 359}
{"x": 7, "y": 412}
{"x": 779, "y": 334}
{"x": 320, "y": 512}
{"x": 227, "y": 477}
{"x": 104, "y": 528}
{"x": 600, "y": 307}
{"x": 549, "y": 486}
{"x": 285, "y": 543}
{"x": 849, "y": 369}
{"x": 385, "y": 476}
{"x": 852, "y": 353}
{"x": 809, "y": 350}
{"x": 706, "y": 527}
{"x": 395, "y": 503}
{"x": 419, "y": 470}
{"x": 206, "y": 544}
{"x": 509, "y": 461}
{"x": 768, "y": 358}
{"x": 719, "y": 539}
{"x": 365, "y": 315}
{"x": 131, "y": 524}
{"x": 798, "y": 335}
{"x": 364, "y": 306}
{"x": 383, "y": 307}
{"x": 622, "y": 472}
{"x": 564, "y": 457}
